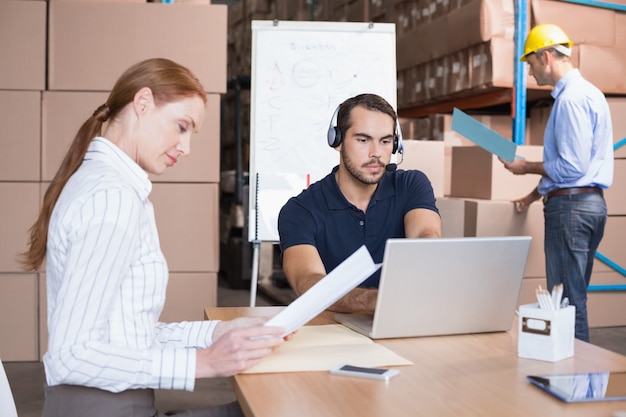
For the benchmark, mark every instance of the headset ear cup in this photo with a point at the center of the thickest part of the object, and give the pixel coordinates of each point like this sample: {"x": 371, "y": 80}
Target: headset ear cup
{"x": 397, "y": 139}
{"x": 334, "y": 133}
{"x": 331, "y": 136}
{"x": 334, "y": 137}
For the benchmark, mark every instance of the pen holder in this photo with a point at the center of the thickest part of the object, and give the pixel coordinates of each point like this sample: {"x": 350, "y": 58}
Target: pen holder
{"x": 546, "y": 335}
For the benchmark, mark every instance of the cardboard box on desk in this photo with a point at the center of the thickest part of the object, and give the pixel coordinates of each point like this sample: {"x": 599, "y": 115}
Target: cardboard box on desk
{"x": 477, "y": 173}
{"x": 546, "y": 335}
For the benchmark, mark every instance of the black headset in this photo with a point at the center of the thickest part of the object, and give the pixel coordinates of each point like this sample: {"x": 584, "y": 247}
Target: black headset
{"x": 335, "y": 136}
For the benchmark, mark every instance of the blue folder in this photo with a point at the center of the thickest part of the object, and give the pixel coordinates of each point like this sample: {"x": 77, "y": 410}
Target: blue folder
{"x": 482, "y": 136}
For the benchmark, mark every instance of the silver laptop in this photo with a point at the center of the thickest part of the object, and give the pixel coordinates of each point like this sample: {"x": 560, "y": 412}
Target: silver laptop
{"x": 445, "y": 286}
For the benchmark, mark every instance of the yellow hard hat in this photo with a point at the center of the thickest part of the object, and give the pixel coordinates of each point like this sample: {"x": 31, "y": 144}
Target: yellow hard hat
{"x": 544, "y": 36}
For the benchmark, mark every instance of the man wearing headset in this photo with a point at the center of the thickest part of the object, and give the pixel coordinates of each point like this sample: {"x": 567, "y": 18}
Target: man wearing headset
{"x": 577, "y": 166}
{"x": 363, "y": 201}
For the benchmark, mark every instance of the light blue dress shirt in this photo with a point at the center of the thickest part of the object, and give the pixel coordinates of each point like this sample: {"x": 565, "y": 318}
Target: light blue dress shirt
{"x": 578, "y": 140}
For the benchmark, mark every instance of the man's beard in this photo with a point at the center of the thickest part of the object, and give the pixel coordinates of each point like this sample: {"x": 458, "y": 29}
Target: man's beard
{"x": 360, "y": 176}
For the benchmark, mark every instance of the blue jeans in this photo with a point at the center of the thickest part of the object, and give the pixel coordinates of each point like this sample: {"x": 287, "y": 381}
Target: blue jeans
{"x": 574, "y": 226}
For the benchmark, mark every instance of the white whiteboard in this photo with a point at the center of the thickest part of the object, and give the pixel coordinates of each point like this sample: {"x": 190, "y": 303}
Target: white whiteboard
{"x": 301, "y": 71}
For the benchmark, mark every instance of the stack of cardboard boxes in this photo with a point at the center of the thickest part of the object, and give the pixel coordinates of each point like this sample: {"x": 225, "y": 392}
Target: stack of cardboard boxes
{"x": 59, "y": 61}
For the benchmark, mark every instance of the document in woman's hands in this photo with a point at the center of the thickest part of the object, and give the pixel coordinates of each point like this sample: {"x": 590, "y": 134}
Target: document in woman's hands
{"x": 341, "y": 280}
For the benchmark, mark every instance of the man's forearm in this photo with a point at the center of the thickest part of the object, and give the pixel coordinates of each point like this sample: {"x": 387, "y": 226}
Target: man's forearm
{"x": 357, "y": 300}
{"x": 535, "y": 168}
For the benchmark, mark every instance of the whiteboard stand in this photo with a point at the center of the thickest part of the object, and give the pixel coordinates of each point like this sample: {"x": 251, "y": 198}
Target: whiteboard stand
{"x": 256, "y": 247}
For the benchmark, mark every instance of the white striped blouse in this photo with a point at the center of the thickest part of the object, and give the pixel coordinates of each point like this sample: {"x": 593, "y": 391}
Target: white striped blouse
{"x": 106, "y": 282}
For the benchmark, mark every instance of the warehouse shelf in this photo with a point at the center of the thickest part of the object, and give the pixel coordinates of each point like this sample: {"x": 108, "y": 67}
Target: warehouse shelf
{"x": 474, "y": 99}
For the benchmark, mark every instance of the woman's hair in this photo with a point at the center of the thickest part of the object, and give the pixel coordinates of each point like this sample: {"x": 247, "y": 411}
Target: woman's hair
{"x": 168, "y": 81}
{"x": 369, "y": 101}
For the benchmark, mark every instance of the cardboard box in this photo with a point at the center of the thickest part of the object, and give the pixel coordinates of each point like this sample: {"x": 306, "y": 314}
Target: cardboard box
{"x": 536, "y": 126}
{"x": 415, "y": 129}
{"x": 447, "y": 186}
{"x": 20, "y": 138}
{"x": 65, "y": 111}
{"x": 81, "y": 58}
{"x": 437, "y": 78}
{"x": 403, "y": 19}
{"x": 426, "y": 156}
{"x": 620, "y": 29}
{"x": 583, "y": 24}
{"x": 188, "y": 294}
{"x": 414, "y": 85}
{"x": 479, "y": 21}
{"x": 19, "y": 321}
{"x": 62, "y": 114}
{"x": 453, "y": 216}
{"x": 527, "y": 294}
{"x": 604, "y": 67}
{"x": 458, "y": 72}
{"x": 617, "y": 105}
{"x": 612, "y": 244}
{"x": 477, "y": 173}
{"x": 605, "y": 307}
{"x": 423, "y": 43}
{"x": 19, "y": 206}
{"x": 615, "y": 195}
{"x": 187, "y": 218}
{"x": 483, "y": 218}
{"x": 492, "y": 63}
{"x": 23, "y": 45}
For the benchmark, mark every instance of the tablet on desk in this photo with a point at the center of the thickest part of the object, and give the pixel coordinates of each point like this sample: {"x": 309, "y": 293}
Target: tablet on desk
{"x": 583, "y": 386}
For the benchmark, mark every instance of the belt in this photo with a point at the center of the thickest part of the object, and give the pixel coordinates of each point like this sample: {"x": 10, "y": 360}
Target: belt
{"x": 574, "y": 190}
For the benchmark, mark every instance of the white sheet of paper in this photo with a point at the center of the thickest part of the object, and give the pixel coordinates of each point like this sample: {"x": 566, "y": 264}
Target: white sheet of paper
{"x": 341, "y": 280}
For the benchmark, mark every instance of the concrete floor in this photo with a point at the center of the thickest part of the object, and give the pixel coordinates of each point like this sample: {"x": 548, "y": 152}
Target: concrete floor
{"x": 27, "y": 378}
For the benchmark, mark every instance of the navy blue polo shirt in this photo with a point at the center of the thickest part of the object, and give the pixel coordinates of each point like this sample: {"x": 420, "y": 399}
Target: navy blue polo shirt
{"x": 321, "y": 216}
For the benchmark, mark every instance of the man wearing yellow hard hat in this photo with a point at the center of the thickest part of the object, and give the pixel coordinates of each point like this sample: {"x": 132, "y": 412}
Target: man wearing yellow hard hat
{"x": 577, "y": 166}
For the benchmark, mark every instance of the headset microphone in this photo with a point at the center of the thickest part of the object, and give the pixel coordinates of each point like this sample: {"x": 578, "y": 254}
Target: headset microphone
{"x": 391, "y": 167}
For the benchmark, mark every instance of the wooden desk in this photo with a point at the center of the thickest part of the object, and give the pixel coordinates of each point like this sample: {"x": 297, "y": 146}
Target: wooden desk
{"x": 466, "y": 375}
